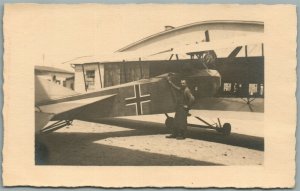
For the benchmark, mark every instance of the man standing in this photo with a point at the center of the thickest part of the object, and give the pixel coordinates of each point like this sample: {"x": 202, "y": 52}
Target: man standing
{"x": 185, "y": 100}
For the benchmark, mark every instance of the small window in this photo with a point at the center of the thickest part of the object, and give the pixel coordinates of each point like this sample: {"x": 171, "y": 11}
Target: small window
{"x": 235, "y": 88}
{"x": 90, "y": 79}
{"x": 227, "y": 87}
{"x": 252, "y": 89}
{"x": 261, "y": 91}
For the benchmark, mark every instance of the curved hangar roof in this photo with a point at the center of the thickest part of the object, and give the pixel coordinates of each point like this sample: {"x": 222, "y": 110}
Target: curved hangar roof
{"x": 189, "y": 34}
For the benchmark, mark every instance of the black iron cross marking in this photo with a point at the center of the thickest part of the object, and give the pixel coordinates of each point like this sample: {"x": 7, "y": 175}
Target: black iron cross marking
{"x": 138, "y": 99}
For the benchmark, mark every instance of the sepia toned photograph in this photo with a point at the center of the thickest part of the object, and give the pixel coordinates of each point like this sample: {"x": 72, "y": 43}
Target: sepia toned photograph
{"x": 193, "y": 94}
{"x": 130, "y": 91}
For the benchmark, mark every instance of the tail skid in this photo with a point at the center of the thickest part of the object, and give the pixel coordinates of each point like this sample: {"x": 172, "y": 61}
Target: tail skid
{"x": 57, "y": 125}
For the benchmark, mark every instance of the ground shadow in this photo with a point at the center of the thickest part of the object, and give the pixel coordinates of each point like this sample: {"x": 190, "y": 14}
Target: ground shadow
{"x": 79, "y": 148}
{"x": 234, "y": 139}
{"x": 103, "y": 155}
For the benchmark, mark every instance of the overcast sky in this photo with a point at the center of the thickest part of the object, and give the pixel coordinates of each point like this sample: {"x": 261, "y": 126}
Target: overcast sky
{"x": 50, "y": 34}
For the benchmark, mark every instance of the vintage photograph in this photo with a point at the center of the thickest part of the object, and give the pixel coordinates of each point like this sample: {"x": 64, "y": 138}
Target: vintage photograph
{"x": 185, "y": 95}
{"x": 150, "y": 95}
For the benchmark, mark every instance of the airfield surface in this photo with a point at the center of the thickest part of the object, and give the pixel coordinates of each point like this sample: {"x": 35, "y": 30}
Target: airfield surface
{"x": 140, "y": 141}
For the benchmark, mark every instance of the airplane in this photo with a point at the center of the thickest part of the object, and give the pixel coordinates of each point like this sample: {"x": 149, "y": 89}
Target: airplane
{"x": 142, "y": 97}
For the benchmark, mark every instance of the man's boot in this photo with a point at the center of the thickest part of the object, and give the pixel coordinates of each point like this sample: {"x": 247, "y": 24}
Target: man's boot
{"x": 172, "y": 136}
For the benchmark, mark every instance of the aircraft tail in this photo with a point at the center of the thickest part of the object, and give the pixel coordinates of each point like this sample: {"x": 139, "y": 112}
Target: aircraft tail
{"x": 41, "y": 120}
{"x": 47, "y": 91}
{"x": 54, "y": 102}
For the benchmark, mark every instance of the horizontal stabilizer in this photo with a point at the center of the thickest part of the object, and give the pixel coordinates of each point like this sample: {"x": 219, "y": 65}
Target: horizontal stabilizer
{"x": 61, "y": 107}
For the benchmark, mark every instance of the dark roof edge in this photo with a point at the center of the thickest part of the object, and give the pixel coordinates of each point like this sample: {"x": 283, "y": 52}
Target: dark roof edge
{"x": 51, "y": 69}
{"x": 187, "y": 26}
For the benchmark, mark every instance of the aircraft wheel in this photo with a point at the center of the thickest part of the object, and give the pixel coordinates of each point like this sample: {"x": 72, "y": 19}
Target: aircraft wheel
{"x": 226, "y": 129}
{"x": 169, "y": 122}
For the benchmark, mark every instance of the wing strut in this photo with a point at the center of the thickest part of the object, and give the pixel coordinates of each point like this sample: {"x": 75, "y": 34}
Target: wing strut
{"x": 235, "y": 52}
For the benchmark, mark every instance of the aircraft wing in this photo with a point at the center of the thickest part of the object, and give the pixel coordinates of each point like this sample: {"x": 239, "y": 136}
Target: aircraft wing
{"x": 222, "y": 44}
{"x": 211, "y": 45}
{"x": 164, "y": 54}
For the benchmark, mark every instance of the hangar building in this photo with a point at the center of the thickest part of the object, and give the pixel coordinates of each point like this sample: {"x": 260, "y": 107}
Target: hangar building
{"x": 55, "y": 75}
{"x": 129, "y": 63}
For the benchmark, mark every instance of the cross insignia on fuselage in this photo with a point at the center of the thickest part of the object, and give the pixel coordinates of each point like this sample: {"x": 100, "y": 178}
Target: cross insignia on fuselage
{"x": 138, "y": 99}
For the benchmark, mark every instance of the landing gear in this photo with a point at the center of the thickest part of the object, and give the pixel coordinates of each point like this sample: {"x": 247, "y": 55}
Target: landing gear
{"x": 169, "y": 121}
{"x": 248, "y": 102}
{"x": 225, "y": 129}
